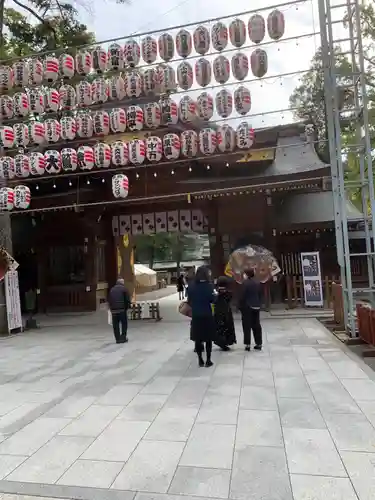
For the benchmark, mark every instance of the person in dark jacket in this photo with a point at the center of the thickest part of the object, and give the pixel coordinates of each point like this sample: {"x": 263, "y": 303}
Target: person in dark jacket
{"x": 200, "y": 296}
{"x": 181, "y": 286}
{"x": 119, "y": 303}
{"x": 225, "y": 332}
{"x": 250, "y": 301}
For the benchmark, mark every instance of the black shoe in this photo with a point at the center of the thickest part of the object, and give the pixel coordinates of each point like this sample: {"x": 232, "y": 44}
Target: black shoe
{"x": 258, "y": 347}
{"x": 201, "y": 363}
{"x": 123, "y": 340}
{"x": 225, "y": 348}
{"x": 247, "y": 348}
{"x": 209, "y": 363}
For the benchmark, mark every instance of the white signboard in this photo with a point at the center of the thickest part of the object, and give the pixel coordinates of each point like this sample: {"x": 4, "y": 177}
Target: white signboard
{"x": 312, "y": 279}
{"x": 13, "y": 303}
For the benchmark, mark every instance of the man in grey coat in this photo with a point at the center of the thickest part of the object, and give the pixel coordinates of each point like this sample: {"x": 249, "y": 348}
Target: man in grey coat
{"x": 119, "y": 303}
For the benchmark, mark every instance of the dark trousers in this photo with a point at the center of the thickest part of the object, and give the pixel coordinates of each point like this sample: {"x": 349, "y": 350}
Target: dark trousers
{"x": 199, "y": 348}
{"x": 120, "y": 319}
{"x": 251, "y": 322}
{"x": 181, "y": 294}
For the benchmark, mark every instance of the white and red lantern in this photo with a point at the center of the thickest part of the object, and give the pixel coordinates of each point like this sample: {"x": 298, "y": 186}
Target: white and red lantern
{"x": 245, "y": 136}
{"x": 51, "y": 68}
{"x": 237, "y": 33}
{"x": 85, "y": 125}
{"x": 240, "y": 66}
{"x": 201, "y": 39}
{"x": 169, "y": 111}
{"x": 102, "y": 155}
{"x": 166, "y": 46}
{"x": 99, "y": 60}
{"x": 52, "y": 130}
{"x": 69, "y": 159}
{"x": 100, "y": 91}
{"x": 84, "y": 94}
{"x": 37, "y": 164}
{"x": 256, "y": 28}
{"x": 189, "y": 143}
{"x": 205, "y": 106}
{"x": 83, "y": 62}
{"x": 159, "y": 80}
{"x": 137, "y": 151}
{"x": 20, "y": 74}
{"x": 7, "y": 136}
{"x": 226, "y": 139}
{"x": 275, "y": 24}
{"x": 100, "y": 121}
{"x": 37, "y": 101}
{"x": 148, "y": 81}
{"x": 224, "y": 103}
{"x": 22, "y": 165}
{"x": 53, "y": 162}
{"x": 66, "y": 66}
{"x": 52, "y": 100}
{"x": 117, "y": 120}
{"x": 132, "y": 53}
{"x": 185, "y": 75}
{"x": 183, "y": 43}
{"x": 152, "y": 115}
{"x": 6, "y": 198}
{"x": 6, "y": 78}
{"x": 120, "y": 186}
{"x": 6, "y": 107}
{"x": 149, "y": 49}
{"x": 133, "y": 84}
{"x": 135, "y": 118}
{"x": 37, "y": 132}
{"x": 21, "y": 104}
{"x": 203, "y": 72}
{"x": 68, "y": 128}
{"x": 242, "y": 100}
{"x": 171, "y": 146}
{"x": 7, "y": 167}
{"x": 115, "y": 56}
{"x": 36, "y": 71}
{"x": 207, "y": 141}
{"x": 221, "y": 69}
{"x": 116, "y": 88}
{"x": 154, "y": 148}
{"x": 85, "y": 156}
{"x": 219, "y": 36}
{"x": 21, "y": 135}
{"x": 259, "y": 62}
{"x": 22, "y": 197}
{"x": 120, "y": 154}
{"x": 187, "y": 109}
{"x": 68, "y": 97}
{"x": 169, "y": 80}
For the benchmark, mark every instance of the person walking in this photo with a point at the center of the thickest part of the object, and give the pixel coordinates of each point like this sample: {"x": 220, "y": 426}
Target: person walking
{"x": 225, "y": 332}
{"x": 200, "y": 297}
{"x": 119, "y": 303}
{"x": 181, "y": 286}
{"x": 250, "y": 301}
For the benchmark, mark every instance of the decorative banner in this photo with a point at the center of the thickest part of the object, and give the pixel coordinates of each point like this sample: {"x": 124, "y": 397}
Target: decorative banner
{"x": 252, "y": 257}
{"x": 312, "y": 279}
{"x": 12, "y": 299}
{"x": 7, "y": 263}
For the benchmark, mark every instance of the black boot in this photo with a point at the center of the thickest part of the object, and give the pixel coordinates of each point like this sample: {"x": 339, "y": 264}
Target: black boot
{"x": 200, "y": 360}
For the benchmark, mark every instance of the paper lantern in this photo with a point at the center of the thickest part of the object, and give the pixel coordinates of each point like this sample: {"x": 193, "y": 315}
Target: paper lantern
{"x": 85, "y": 125}
{"x": 6, "y": 107}
{"x": 187, "y": 109}
{"x": 99, "y": 60}
{"x": 22, "y": 165}
{"x": 116, "y": 88}
{"x": 117, "y": 120}
{"x": 21, "y": 104}
{"x": 7, "y": 136}
{"x": 275, "y": 24}
{"x": 203, "y": 72}
{"x": 83, "y": 62}
{"x": 115, "y": 56}
{"x": 20, "y": 74}
{"x": 100, "y": 91}
{"x": 68, "y": 97}
{"x": 149, "y": 49}
{"x": 6, "y": 78}
{"x": 51, "y": 68}
{"x": 148, "y": 81}
{"x": 221, "y": 69}
{"x": 120, "y": 154}
{"x": 242, "y": 100}
{"x": 171, "y": 146}
{"x": 154, "y": 148}
{"x": 84, "y": 94}
{"x": 133, "y": 84}
{"x": 185, "y": 76}
{"x": 183, "y": 43}
{"x": 6, "y": 199}
{"x": 36, "y": 72}
{"x": 226, "y": 139}
{"x": 100, "y": 121}
{"x": 207, "y": 141}
{"x": 36, "y": 101}
{"x": 169, "y": 111}
{"x": 37, "y": 164}
{"x": 85, "y": 156}
{"x": 224, "y": 103}
{"x": 256, "y": 28}
{"x": 189, "y": 143}
{"x": 245, "y": 136}
{"x": 137, "y": 151}
{"x": 52, "y": 100}
{"x": 7, "y": 167}
{"x": 68, "y": 128}
{"x": 259, "y": 62}
{"x": 169, "y": 80}
{"x": 69, "y": 159}
{"x": 219, "y": 36}
{"x": 22, "y": 197}
{"x": 166, "y": 46}
{"x": 52, "y": 130}
{"x": 66, "y": 66}
{"x": 52, "y": 160}
{"x": 159, "y": 80}
{"x": 201, "y": 39}
{"x": 102, "y": 155}
{"x": 132, "y": 53}
{"x": 21, "y": 135}
{"x": 240, "y": 66}
{"x": 134, "y": 118}
{"x": 152, "y": 115}
{"x": 237, "y": 33}
{"x": 205, "y": 106}
{"x": 120, "y": 186}
{"x": 37, "y": 132}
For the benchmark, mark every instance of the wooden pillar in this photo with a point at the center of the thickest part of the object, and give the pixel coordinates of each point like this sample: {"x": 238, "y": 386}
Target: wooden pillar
{"x": 215, "y": 238}
{"x": 90, "y": 251}
{"x": 110, "y": 253}
{"x": 270, "y": 232}
{"x": 125, "y": 254}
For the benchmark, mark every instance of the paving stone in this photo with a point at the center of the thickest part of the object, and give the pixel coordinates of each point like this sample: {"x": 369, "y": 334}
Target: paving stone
{"x": 8, "y": 463}
{"x": 218, "y": 409}
{"x": 322, "y": 488}
{"x": 144, "y": 407}
{"x": 92, "y": 422}
{"x": 209, "y": 483}
{"x": 258, "y": 398}
{"x": 172, "y": 424}
{"x": 300, "y": 413}
{"x": 361, "y": 470}
{"x": 258, "y": 428}
{"x": 351, "y": 432}
{"x": 95, "y": 474}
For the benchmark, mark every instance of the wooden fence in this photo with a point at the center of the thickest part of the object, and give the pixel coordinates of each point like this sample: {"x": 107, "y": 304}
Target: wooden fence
{"x": 295, "y": 291}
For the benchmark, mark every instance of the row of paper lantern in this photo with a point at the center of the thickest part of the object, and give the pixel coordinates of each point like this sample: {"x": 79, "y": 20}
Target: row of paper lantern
{"x": 119, "y": 154}
{"x": 18, "y": 197}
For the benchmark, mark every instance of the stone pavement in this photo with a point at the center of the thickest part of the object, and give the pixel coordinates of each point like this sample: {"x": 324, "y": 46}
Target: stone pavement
{"x": 83, "y": 418}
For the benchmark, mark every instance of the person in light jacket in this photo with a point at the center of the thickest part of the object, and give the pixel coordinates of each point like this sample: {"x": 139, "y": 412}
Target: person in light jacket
{"x": 250, "y": 301}
{"x": 119, "y": 303}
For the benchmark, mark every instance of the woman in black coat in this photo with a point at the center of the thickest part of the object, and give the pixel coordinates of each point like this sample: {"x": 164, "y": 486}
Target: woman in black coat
{"x": 181, "y": 286}
{"x": 225, "y": 332}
